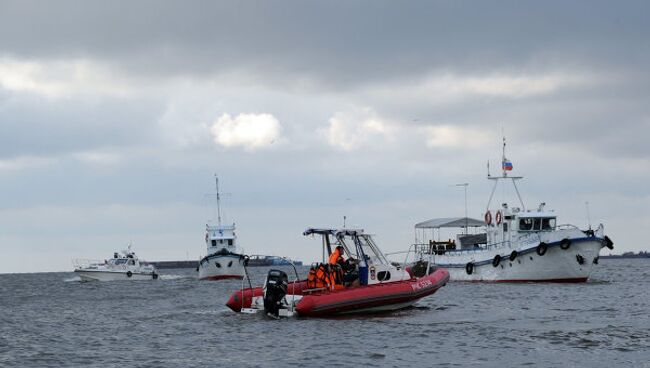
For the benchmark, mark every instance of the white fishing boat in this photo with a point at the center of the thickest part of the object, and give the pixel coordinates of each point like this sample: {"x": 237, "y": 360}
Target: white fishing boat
{"x": 223, "y": 260}
{"x": 512, "y": 244}
{"x": 124, "y": 265}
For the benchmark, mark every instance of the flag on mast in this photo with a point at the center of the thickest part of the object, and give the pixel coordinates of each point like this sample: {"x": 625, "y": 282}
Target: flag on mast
{"x": 506, "y": 165}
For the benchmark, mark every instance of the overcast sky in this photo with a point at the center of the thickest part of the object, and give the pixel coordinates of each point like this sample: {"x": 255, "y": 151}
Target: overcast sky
{"x": 115, "y": 116}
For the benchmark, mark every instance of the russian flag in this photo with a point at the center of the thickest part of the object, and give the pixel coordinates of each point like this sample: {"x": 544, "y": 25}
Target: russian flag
{"x": 507, "y": 165}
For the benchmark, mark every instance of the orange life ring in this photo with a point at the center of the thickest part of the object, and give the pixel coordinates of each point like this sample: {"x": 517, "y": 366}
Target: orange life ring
{"x": 488, "y": 217}
{"x": 498, "y": 218}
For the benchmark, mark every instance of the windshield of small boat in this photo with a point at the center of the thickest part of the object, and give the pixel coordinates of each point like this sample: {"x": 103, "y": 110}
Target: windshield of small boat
{"x": 537, "y": 224}
{"x": 120, "y": 261}
{"x": 372, "y": 254}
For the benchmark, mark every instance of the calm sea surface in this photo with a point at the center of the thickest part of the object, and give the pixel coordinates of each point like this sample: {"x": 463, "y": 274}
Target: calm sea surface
{"x": 52, "y": 320}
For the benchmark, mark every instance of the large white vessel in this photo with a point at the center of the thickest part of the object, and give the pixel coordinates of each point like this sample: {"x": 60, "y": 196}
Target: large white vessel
{"x": 123, "y": 266}
{"x": 224, "y": 260}
{"x": 514, "y": 244}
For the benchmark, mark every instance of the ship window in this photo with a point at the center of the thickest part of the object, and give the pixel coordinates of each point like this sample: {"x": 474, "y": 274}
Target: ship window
{"x": 505, "y": 226}
{"x": 548, "y": 224}
{"x": 214, "y": 243}
{"x": 120, "y": 261}
{"x": 538, "y": 224}
{"x": 229, "y": 241}
{"x": 525, "y": 224}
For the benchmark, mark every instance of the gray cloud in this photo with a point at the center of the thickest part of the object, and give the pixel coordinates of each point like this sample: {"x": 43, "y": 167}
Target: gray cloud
{"x": 322, "y": 42}
{"x": 32, "y": 125}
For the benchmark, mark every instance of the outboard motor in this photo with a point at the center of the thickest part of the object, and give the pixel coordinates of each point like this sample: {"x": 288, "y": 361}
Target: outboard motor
{"x": 275, "y": 289}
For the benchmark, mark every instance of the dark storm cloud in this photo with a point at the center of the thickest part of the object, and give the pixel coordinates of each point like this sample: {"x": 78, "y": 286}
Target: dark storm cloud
{"x": 333, "y": 44}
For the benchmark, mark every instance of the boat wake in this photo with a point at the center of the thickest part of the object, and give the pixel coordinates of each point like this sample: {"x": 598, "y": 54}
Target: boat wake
{"x": 175, "y": 277}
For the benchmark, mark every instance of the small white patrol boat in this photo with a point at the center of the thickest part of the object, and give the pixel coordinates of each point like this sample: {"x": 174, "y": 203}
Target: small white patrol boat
{"x": 514, "y": 244}
{"x": 223, "y": 260}
{"x": 123, "y": 266}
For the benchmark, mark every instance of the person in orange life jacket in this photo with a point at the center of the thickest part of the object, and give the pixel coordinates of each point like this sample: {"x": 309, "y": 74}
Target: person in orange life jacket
{"x": 336, "y": 258}
{"x": 337, "y": 262}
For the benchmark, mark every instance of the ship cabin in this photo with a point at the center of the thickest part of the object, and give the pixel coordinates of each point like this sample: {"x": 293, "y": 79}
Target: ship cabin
{"x": 511, "y": 224}
{"x": 504, "y": 225}
{"x": 220, "y": 238}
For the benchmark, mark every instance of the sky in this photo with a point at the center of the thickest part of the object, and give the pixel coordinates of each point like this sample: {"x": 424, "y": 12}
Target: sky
{"x": 115, "y": 117}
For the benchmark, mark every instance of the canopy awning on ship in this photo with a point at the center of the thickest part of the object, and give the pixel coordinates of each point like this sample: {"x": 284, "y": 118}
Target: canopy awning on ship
{"x": 449, "y": 222}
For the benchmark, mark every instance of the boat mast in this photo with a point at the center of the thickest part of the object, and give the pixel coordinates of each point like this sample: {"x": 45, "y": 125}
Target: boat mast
{"x": 216, "y": 178}
{"x": 503, "y": 158}
{"x": 504, "y": 175}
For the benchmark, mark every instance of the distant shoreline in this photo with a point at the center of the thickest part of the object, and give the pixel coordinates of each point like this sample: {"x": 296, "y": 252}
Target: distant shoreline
{"x": 628, "y": 255}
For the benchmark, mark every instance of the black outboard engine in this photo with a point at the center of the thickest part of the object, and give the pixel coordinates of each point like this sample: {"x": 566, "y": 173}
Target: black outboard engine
{"x": 276, "y": 288}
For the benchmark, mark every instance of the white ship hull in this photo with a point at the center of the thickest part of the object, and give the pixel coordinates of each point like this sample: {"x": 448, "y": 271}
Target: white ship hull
{"x": 574, "y": 264}
{"x": 219, "y": 267}
{"x": 95, "y": 275}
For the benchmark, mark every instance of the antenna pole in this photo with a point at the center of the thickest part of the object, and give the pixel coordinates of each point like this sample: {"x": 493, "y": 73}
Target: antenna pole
{"x": 494, "y": 187}
{"x": 216, "y": 178}
{"x": 503, "y": 157}
{"x": 523, "y": 206}
{"x": 464, "y": 185}
{"x": 588, "y": 214}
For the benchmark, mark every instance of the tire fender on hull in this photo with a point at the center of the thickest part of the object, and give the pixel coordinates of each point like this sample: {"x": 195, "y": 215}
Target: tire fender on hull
{"x": 609, "y": 243}
{"x": 513, "y": 255}
{"x": 496, "y": 261}
{"x": 565, "y": 244}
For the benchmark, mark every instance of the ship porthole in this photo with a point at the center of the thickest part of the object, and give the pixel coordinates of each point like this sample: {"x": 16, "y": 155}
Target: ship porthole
{"x": 217, "y": 264}
{"x": 230, "y": 264}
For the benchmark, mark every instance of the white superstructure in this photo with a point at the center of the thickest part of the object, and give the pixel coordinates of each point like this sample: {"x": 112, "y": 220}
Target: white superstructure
{"x": 123, "y": 266}
{"x": 223, "y": 259}
{"x": 515, "y": 245}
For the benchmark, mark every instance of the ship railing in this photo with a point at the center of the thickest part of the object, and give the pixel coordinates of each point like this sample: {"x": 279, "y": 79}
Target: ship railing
{"x": 424, "y": 249}
{"x": 413, "y": 249}
{"x": 567, "y": 227}
{"x": 87, "y": 263}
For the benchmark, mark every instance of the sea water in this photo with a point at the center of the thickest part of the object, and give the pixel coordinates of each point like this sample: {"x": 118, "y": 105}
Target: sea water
{"x": 53, "y": 320}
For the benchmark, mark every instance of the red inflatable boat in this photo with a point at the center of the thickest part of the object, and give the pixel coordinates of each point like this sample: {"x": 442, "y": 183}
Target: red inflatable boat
{"x": 368, "y": 283}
